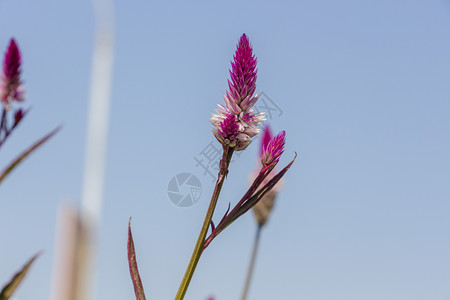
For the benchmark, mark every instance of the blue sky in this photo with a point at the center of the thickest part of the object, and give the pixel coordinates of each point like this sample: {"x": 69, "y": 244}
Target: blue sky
{"x": 364, "y": 90}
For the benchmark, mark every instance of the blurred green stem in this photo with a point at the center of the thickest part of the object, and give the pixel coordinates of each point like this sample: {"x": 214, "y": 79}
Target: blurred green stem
{"x": 224, "y": 163}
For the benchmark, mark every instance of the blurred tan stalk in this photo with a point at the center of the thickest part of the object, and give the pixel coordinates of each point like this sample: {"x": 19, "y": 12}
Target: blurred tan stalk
{"x": 70, "y": 255}
{"x": 96, "y": 145}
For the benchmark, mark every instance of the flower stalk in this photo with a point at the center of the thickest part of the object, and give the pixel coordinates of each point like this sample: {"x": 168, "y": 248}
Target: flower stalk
{"x": 234, "y": 125}
{"x": 251, "y": 267}
{"x": 199, "y": 246}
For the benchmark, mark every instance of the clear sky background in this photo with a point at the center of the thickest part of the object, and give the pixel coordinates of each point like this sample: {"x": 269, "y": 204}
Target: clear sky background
{"x": 364, "y": 89}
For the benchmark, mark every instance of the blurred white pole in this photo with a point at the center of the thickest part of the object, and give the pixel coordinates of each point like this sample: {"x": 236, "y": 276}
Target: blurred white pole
{"x": 96, "y": 144}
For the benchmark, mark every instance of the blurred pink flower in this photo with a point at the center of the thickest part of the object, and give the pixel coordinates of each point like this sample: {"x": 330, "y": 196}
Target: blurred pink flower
{"x": 11, "y": 87}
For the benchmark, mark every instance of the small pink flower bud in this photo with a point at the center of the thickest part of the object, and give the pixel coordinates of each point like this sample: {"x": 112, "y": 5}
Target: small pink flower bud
{"x": 272, "y": 151}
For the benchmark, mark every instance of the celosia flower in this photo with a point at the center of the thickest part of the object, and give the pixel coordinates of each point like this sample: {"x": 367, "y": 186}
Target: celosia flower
{"x": 11, "y": 87}
{"x": 262, "y": 209}
{"x": 239, "y": 100}
{"x": 271, "y": 152}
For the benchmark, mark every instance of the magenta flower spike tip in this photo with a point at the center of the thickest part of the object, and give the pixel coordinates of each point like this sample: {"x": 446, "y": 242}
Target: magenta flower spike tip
{"x": 243, "y": 71}
{"x": 11, "y": 87}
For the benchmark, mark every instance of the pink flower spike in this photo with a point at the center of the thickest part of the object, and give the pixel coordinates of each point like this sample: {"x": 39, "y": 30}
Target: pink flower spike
{"x": 272, "y": 152}
{"x": 11, "y": 87}
{"x": 239, "y": 101}
{"x": 243, "y": 71}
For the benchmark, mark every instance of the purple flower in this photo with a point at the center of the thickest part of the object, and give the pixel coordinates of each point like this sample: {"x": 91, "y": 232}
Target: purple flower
{"x": 239, "y": 100}
{"x": 272, "y": 151}
{"x": 228, "y": 133}
{"x": 11, "y": 87}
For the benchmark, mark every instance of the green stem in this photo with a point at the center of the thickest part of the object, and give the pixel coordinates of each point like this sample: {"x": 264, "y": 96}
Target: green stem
{"x": 198, "y": 249}
{"x": 252, "y": 263}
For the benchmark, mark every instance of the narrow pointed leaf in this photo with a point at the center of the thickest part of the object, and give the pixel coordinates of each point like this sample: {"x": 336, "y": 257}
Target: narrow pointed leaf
{"x": 228, "y": 210}
{"x": 25, "y": 154}
{"x": 256, "y": 197}
{"x": 9, "y": 289}
{"x": 134, "y": 272}
{"x": 248, "y": 203}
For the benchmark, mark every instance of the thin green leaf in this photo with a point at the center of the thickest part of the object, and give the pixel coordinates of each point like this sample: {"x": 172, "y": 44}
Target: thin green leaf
{"x": 134, "y": 272}
{"x": 9, "y": 289}
{"x": 22, "y": 156}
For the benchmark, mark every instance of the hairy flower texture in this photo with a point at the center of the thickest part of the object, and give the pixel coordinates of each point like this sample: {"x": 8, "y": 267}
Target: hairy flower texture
{"x": 271, "y": 152}
{"x": 239, "y": 100}
{"x": 11, "y": 87}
